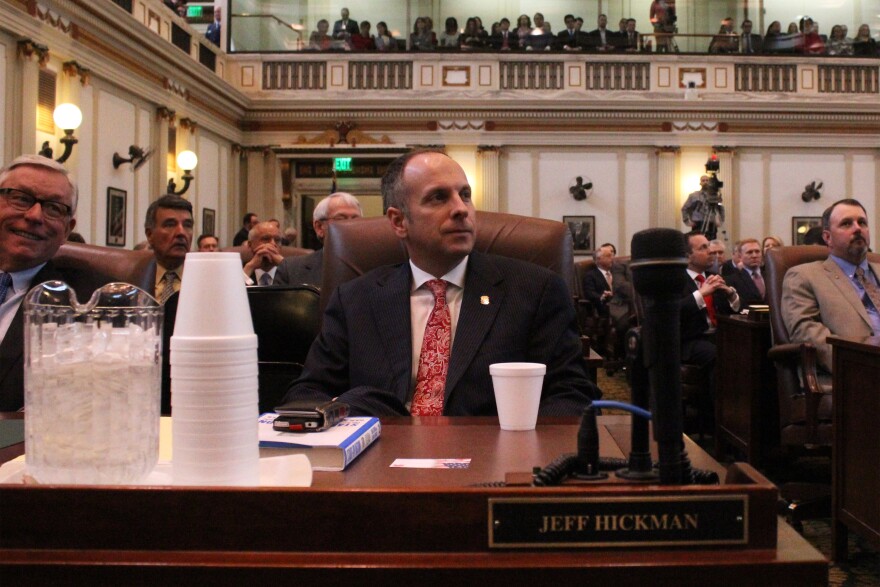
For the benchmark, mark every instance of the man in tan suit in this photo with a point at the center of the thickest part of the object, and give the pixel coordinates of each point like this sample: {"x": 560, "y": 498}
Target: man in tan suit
{"x": 838, "y": 296}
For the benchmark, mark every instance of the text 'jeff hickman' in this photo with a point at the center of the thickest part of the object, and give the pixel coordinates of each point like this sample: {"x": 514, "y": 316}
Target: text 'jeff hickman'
{"x": 618, "y": 522}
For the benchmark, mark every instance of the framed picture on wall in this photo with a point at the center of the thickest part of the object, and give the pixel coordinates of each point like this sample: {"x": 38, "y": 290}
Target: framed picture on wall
{"x": 209, "y": 218}
{"x": 583, "y": 233}
{"x": 116, "y": 201}
{"x": 800, "y": 225}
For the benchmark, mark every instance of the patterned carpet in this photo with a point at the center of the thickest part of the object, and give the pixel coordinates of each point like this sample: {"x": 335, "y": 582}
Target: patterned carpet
{"x": 863, "y": 567}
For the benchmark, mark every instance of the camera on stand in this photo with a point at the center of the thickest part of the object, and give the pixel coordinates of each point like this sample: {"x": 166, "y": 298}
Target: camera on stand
{"x": 714, "y": 215}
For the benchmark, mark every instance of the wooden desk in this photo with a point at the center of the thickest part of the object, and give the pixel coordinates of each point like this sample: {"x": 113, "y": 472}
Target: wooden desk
{"x": 746, "y": 407}
{"x": 154, "y": 535}
{"x": 856, "y": 448}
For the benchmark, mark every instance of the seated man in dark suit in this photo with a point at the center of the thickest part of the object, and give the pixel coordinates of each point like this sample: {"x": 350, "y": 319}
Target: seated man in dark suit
{"x": 705, "y": 296}
{"x": 608, "y": 288}
{"x": 264, "y": 241}
{"x": 570, "y": 39}
{"x": 601, "y": 38}
{"x": 749, "y": 281}
{"x": 309, "y": 268}
{"x": 37, "y": 209}
{"x": 169, "y": 228}
{"x": 418, "y": 338}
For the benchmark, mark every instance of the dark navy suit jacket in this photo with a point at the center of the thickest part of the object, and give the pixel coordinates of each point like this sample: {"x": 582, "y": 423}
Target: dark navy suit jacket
{"x": 510, "y": 311}
{"x": 694, "y": 322}
{"x": 741, "y": 280}
{"x": 12, "y": 346}
{"x": 302, "y": 269}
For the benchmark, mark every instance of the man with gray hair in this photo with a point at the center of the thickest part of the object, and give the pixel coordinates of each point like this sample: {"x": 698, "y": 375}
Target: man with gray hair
{"x": 309, "y": 268}
{"x": 37, "y": 207}
{"x": 169, "y": 229}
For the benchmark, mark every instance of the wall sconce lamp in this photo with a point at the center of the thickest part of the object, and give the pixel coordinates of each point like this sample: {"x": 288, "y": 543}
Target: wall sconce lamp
{"x": 186, "y": 160}
{"x": 67, "y": 117}
{"x": 136, "y": 156}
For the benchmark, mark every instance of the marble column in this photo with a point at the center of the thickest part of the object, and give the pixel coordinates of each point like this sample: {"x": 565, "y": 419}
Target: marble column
{"x": 666, "y": 213}
{"x": 726, "y": 161}
{"x": 489, "y": 174}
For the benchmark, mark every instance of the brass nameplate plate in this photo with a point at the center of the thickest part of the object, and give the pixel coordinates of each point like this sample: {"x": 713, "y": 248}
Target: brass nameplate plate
{"x": 584, "y": 522}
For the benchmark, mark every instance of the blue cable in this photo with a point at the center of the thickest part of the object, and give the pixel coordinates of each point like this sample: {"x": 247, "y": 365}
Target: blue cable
{"x": 622, "y": 406}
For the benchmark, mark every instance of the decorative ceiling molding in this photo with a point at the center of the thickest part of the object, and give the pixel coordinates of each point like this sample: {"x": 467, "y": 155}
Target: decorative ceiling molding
{"x": 52, "y": 18}
{"x": 694, "y": 126}
{"x": 459, "y": 125}
{"x": 343, "y": 133}
{"x": 176, "y": 87}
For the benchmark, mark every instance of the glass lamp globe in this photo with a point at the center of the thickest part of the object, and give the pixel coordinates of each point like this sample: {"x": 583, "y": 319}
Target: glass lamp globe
{"x": 67, "y": 116}
{"x": 187, "y": 160}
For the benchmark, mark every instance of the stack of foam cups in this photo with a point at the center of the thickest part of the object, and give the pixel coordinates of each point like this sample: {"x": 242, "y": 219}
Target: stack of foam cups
{"x": 214, "y": 400}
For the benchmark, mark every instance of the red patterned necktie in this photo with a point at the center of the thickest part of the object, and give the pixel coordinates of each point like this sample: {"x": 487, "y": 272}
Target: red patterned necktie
{"x": 434, "y": 358}
{"x": 710, "y": 304}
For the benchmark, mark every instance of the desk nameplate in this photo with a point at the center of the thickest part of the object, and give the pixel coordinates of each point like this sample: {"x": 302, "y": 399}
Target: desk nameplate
{"x": 619, "y": 522}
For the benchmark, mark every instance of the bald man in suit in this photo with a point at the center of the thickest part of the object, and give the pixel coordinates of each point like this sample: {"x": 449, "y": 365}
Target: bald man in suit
{"x": 376, "y": 328}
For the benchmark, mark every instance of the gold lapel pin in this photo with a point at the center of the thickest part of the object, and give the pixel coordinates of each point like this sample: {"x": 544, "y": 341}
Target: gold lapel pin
{"x": 484, "y": 300}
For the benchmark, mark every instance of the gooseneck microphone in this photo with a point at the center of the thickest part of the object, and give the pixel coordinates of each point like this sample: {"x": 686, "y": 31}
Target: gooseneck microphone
{"x": 659, "y": 277}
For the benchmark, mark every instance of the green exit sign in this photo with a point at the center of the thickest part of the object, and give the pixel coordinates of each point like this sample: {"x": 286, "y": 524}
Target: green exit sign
{"x": 193, "y": 11}
{"x": 342, "y": 164}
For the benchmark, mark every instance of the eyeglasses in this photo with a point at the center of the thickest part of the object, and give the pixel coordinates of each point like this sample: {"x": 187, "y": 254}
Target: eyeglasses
{"x": 23, "y": 201}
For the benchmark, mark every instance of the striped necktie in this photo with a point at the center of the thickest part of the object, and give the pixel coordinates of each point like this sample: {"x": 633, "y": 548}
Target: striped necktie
{"x": 870, "y": 288}
{"x": 168, "y": 281}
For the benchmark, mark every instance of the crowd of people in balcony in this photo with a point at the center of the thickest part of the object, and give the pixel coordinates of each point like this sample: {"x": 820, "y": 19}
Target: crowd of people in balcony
{"x": 536, "y": 34}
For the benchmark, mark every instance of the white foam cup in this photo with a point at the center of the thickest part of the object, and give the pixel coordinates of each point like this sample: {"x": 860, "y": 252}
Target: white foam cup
{"x": 239, "y": 371}
{"x": 517, "y": 393}
{"x": 212, "y": 357}
{"x": 213, "y": 413}
{"x": 221, "y": 435}
{"x": 209, "y": 427}
{"x": 213, "y": 298}
{"x": 210, "y": 344}
{"x": 240, "y": 472}
{"x": 215, "y": 399}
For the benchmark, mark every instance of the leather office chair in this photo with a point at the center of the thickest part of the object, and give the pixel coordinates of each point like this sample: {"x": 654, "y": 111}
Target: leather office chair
{"x": 247, "y": 254}
{"x": 354, "y": 247}
{"x": 94, "y": 262}
{"x": 694, "y": 386}
{"x": 804, "y": 404}
{"x": 286, "y": 321}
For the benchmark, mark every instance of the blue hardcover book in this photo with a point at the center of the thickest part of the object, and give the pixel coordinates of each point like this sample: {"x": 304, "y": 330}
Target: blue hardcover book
{"x": 329, "y": 450}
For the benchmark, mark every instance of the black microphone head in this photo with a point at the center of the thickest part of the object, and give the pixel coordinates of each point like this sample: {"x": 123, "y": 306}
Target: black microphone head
{"x": 659, "y": 257}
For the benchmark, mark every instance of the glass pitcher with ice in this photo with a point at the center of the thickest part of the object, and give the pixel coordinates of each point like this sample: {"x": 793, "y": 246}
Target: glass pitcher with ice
{"x": 92, "y": 380}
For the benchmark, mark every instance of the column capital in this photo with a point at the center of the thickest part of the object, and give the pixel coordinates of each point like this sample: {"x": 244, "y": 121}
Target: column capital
{"x": 74, "y": 69}
{"x": 668, "y": 150}
{"x": 28, "y": 48}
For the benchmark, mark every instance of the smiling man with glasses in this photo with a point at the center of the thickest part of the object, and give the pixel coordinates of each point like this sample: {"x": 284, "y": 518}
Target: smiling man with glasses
{"x": 37, "y": 207}
{"x": 308, "y": 268}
